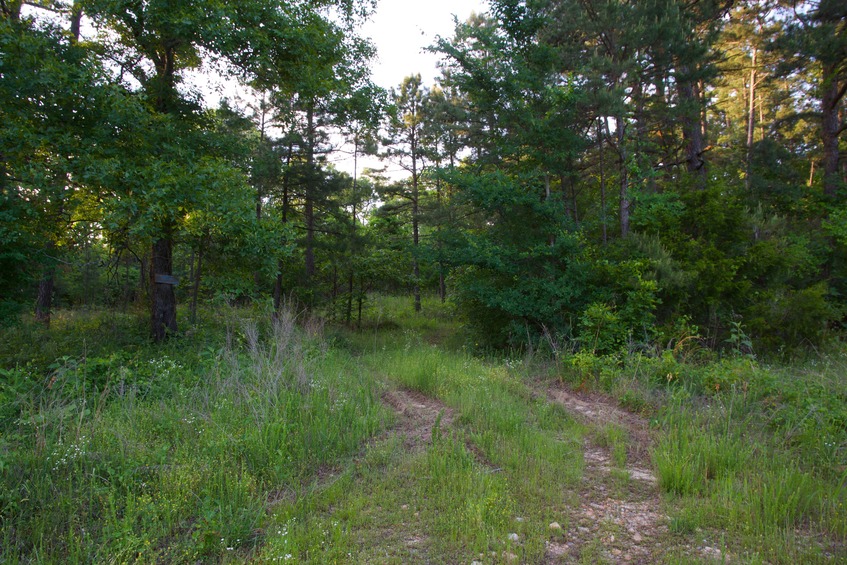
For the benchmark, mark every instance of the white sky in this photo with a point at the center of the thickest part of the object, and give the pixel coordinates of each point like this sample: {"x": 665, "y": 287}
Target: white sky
{"x": 402, "y": 28}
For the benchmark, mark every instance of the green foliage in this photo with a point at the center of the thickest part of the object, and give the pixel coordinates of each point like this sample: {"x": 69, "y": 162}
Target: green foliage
{"x": 166, "y": 459}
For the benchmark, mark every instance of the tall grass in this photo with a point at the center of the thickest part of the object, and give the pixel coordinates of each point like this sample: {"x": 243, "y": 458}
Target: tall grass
{"x": 149, "y": 459}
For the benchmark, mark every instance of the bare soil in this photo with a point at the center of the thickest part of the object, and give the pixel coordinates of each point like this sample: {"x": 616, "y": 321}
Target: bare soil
{"x": 620, "y": 517}
{"x": 417, "y": 416}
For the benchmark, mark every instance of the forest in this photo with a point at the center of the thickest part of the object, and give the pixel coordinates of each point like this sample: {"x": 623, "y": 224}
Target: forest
{"x": 603, "y": 262}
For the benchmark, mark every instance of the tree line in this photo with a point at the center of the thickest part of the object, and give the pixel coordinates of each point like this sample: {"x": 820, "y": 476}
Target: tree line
{"x": 606, "y": 174}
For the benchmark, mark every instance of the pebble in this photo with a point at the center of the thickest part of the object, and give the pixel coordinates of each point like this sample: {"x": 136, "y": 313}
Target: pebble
{"x": 514, "y": 537}
{"x": 637, "y": 538}
{"x": 555, "y": 526}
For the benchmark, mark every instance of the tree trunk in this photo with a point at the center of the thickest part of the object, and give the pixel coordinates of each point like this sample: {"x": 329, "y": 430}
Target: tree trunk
{"x": 195, "y": 292}
{"x": 602, "y": 182}
{"x": 751, "y": 119}
{"x": 349, "y": 313}
{"x": 442, "y": 284}
{"x": 360, "y": 299}
{"x": 76, "y": 20}
{"x": 309, "y": 209}
{"x": 415, "y": 226}
{"x": 692, "y": 129}
{"x": 829, "y": 131}
{"x": 416, "y": 270}
{"x": 44, "y": 301}
{"x": 278, "y": 290}
{"x": 163, "y": 313}
{"x": 620, "y": 124}
{"x": 12, "y": 10}
{"x": 257, "y": 275}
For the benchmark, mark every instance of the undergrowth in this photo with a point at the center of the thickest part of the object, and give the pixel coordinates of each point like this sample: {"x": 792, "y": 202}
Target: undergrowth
{"x": 173, "y": 455}
{"x": 249, "y": 439}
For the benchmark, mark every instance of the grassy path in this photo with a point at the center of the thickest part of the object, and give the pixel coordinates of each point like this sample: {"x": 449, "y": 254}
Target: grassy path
{"x": 391, "y": 445}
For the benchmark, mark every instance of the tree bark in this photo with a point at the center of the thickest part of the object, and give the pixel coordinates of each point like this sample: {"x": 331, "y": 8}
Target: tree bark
{"x": 195, "y": 291}
{"x": 829, "y": 130}
{"x": 751, "y": 118}
{"x": 278, "y": 290}
{"x": 12, "y": 10}
{"x": 44, "y": 301}
{"x": 76, "y": 20}
{"x": 309, "y": 209}
{"x": 415, "y": 222}
{"x": 163, "y": 313}
{"x": 416, "y": 270}
{"x": 692, "y": 129}
{"x": 602, "y": 182}
{"x": 620, "y": 124}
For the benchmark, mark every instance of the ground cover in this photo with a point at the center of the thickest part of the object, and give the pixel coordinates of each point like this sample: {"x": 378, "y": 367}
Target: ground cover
{"x": 250, "y": 440}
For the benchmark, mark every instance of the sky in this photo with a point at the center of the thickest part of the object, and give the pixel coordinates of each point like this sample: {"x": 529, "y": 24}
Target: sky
{"x": 401, "y": 29}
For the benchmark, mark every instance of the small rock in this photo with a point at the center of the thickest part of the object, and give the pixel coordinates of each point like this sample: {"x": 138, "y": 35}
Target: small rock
{"x": 510, "y": 557}
{"x": 611, "y": 539}
{"x": 405, "y": 507}
{"x": 637, "y": 538}
{"x": 519, "y": 519}
{"x": 583, "y": 530}
{"x": 476, "y": 562}
{"x": 514, "y": 537}
{"x": 617, "y": 552}
{"x": 555, "y": 526}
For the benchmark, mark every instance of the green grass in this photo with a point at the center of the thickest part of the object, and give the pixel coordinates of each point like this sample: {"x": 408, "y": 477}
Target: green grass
{"x": 241, "y": 440}
{"x": 147, "y": 458}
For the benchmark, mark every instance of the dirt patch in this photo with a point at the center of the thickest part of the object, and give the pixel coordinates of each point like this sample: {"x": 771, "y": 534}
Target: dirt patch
{"x": 617, "y": 520}
{"x": 598, "y": 460}
{"x": 598, "y": 410}
{"x": 417, "y": 416}
{"x": 620, "y": 531}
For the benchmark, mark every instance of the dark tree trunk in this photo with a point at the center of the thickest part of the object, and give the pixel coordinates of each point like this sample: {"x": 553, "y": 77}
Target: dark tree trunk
{"x": 415, "y": 226}
{"x": 442, "y": 284}
{"x": 143, "y": 278}
{"x": 163, "y": 313}
{"x": 416, "y": 266}
{"x": 620, "y": 124}
{"x": 278, "y": 290}
{"x": 349, "y": 313}
{"x": 309, "y": 209}
{"x": 692, "y": 129}
{"x": 602, "y": 183}
{"x": 12, "y": 9}
{"x": 751, "y": 118}
{"x": 829, "y": 130}
{"x": 76, "y": 19}
{"x": 44, "y": 301}
{"x": 195, "y": 292}
{"x": 360, "y": 299}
